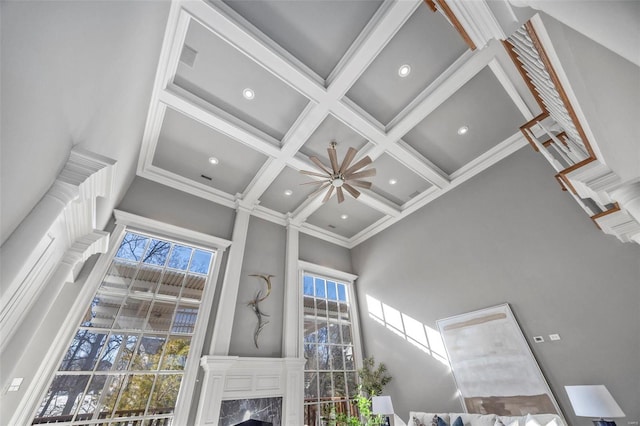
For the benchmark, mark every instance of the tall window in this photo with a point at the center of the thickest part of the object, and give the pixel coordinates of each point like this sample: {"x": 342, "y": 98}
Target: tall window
{"x": 127, "y": 359}
{"x": 330, "y": 377}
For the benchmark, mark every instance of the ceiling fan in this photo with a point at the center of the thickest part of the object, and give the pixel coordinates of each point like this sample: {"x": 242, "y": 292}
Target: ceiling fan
{"x": 340, "y": 176}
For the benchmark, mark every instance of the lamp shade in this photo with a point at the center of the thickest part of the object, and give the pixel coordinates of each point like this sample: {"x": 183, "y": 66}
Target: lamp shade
{"x": 593, "y": 401}
{"x": 381, "y": 405}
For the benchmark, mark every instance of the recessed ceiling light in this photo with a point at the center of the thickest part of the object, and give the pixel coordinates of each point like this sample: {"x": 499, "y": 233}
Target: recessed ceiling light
{"x": 213, "y": 160}
{"x": 344, "y": 216}
{"x": 393, "y": 181}
{"x": 248, "y": 93}
{"x": 404, "y": 70}
{"x": 462, "y": 130}
{"x": 288, "y": 192}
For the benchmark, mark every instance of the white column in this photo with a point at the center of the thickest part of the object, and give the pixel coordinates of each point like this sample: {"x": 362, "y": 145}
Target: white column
{"x": 228, "y": 296}
{"x": 291, "y": 318}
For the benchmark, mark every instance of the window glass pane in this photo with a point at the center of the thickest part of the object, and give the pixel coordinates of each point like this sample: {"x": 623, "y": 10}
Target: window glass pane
{"x": 352, "y": 383}
{"x": 113, "y": 385}
{"x": 323, "y": 357}
{"x": 102, "y": 312}
{"x": 323, "y": 331}
{"x": 324, "y": 381}
{"x": 310, "y": 334}
{"x": 334, "y": 333}
{"x": 193, "y": 287}
{"x": 342, "y": 292}
{"x": 311, "y": 356}
{"x": 332, "y": 309}
{"x": 111, "y": 352}
{"x": 132, "y": 247}
{"x": 90, "y": 400}
{"x": 135, "y": 395}
{"x": 331, "y": 291}
{"x": 165, "y": 393}
{"x": 161, "y": 316}
{"x": 336, "y": 358}
{"x": 133, "y": 314}
{"x": 157, "y": 252}
{"x": 310, "y": 385}
{"x": 320, "y": 288}
{"x": 147, "y": 280}
{"x": 180, "y": 257}
{"x": 84, "y": 351}
{"x": 346, "y": 333}
{"x": 149, "y": 351}
{"x": 308, "y": 285}
{"x": 200, "y": 262}
{"x": 309, "y": 306}
{"x": 119, "y": 275}
{"x": 175, "y": 353}
{"x": 171, "y": 283}
{"x": 185, "y": 319}
{"x": 348, "y": 358}
{"x": 339, "y": 385}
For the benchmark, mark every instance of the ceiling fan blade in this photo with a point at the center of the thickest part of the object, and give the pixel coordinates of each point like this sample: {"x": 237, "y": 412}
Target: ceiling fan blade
{"x": 333, "y": 157}
{"x": 360, "y": 164}
{"x": 351, "y": 153}
{"x": 340, "y": 195}
{"x": 329, "y": 192}
{"x": 360, "y": 183}
{"x": 351, "y": 190}
{"x": 319, "y": 189}
{"x": 306, "y": 172}
{"x": 364, "y": 173}
{"x": 315, "y": 182}
{"x": 318, "y": 163}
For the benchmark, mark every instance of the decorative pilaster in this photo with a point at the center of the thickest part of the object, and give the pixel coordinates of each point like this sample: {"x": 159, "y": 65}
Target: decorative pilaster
{"x": 229, "y": 295}
{"x": 291, "y": 319}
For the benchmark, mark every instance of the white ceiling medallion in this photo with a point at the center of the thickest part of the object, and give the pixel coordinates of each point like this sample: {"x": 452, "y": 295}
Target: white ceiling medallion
{"x": 404, "y": 70}
{"x": 248, "y": 93}
{"x": 463, "y": 130}
{"x": 213, "y": 160}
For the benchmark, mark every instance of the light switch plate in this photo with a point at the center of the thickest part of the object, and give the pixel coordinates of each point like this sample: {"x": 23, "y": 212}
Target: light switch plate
{"x": 554, "y": 337}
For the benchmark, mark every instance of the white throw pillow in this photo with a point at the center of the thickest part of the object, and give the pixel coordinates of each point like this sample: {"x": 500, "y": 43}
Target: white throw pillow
{"x": 501, "y": 423}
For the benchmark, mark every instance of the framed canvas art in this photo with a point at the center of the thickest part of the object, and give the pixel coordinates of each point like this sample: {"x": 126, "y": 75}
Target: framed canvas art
{"x": 493, "y": 366}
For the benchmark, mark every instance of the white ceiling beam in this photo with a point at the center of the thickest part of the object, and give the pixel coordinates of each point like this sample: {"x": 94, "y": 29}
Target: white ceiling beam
{"x": 383, "y": 26}
{"x": 218, "y": 123}
{"x": 379, "y": 203}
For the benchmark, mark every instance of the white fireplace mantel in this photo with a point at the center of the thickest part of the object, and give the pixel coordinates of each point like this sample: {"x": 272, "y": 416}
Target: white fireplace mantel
{"x": 233, "y": 377}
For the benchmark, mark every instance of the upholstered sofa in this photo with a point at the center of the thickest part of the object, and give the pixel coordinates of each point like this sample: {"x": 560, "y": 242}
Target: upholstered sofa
{"x": 420, "y": 418}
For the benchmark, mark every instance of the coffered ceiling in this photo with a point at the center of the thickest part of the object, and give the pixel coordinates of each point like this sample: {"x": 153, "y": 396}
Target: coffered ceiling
{"x": 318, "y": 71}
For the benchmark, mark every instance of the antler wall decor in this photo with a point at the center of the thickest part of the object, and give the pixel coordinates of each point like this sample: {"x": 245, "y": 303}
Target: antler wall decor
{"x": 255, "y": 305}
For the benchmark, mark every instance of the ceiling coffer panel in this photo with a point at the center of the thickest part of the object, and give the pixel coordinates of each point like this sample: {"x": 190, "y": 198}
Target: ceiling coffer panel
{"x": 287, "y": 191}
{"x": 185, "y": 147}
{"x": 318, "y": 33}
{"x": 358, "y": 217}
{"x": 230, "y": 81}
{"x": 396, "y": 182}
{"x": 428, "y": 44}
{"x": 465, "y": 126}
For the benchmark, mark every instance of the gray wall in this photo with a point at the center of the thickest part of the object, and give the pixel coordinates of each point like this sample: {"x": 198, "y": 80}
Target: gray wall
{"x": 264, "y": 254}
{"x": 324, "y": 253}
{"x": 509, "y": 235}
{"x": 165, "y": 204}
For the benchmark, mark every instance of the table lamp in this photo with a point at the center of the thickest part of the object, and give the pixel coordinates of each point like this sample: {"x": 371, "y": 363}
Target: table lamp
{"x": 382, "y": 405}
{"x": 594, "y": 401}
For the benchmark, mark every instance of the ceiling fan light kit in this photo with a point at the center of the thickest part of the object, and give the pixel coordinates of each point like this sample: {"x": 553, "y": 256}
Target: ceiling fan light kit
{"x": 342, "y": 177}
